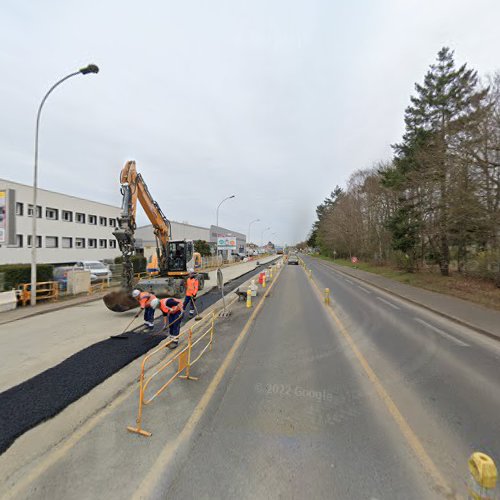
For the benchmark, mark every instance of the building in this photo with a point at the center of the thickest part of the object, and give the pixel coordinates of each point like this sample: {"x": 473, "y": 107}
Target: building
{"x": 69, "y": 229}
{"x": 145, "y": 238}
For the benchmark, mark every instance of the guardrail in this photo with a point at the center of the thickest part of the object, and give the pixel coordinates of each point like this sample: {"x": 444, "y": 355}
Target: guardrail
{"x": 98, "y": 287}
{"x": 45, "y": 290}
{"x": 184, "y": 358}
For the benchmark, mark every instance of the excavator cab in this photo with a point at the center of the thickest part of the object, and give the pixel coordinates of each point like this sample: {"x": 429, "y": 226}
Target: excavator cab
{"x": 180, "y": 256}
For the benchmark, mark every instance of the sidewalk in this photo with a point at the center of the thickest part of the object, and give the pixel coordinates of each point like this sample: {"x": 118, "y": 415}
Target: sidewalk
{"x": 476, "y": 317}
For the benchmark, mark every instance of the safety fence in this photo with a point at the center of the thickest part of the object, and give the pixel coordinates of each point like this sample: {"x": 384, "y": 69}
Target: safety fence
{"x": 192, "y": 349}
{"x": 45, "y": 290}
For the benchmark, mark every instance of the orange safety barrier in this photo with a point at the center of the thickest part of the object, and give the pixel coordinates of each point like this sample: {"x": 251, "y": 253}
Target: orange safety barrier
{"x": 183, "y": 356}
{"x": 98, "y": 287}
{"x": 45, "y": 290}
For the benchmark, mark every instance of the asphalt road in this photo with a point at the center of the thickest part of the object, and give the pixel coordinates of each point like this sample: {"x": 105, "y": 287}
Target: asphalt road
{"x": 300, "y": 418}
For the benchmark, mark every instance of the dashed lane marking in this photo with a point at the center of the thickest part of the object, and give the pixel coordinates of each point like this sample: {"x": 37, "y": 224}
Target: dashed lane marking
{"x": 442, "y": 332}
{"x": 394, "y": 306}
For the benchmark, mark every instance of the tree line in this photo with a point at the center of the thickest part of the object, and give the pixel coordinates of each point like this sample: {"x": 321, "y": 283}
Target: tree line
{"x": 436, "y": 202}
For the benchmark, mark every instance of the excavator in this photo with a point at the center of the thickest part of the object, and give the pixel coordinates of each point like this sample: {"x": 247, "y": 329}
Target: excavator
{"x": 173, "y": 258}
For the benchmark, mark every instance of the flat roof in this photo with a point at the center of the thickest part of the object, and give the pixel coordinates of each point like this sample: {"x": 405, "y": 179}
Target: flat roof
{"x": 57, "y": 192}
{"x": 176, "y": 222}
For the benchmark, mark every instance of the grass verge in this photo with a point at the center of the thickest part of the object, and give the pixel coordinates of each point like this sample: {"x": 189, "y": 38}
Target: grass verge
{"x": 475, "y": 290}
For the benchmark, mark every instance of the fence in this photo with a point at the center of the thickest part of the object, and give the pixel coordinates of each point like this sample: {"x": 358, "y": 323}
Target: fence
{"x": 45, "y": 290}
{"x": 183, "y": 357}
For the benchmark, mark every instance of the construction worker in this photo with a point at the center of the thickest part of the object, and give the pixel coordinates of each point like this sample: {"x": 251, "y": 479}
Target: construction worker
{"x": 172, "y": 316}
{"x": 145, "y": 299}
{"x": 192, "y": 286}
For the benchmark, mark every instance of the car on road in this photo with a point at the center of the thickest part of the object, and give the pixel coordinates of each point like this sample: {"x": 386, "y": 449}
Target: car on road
{"x": 98, "y": 270}
{"x": 293, "y": 259}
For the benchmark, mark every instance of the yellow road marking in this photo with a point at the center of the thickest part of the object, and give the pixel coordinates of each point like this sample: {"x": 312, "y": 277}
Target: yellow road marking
{"x": 147, "y": 485}
{"x": 408, "y": 433}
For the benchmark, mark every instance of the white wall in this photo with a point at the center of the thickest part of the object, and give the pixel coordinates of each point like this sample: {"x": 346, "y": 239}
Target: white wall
{"x": 60, "y": 228}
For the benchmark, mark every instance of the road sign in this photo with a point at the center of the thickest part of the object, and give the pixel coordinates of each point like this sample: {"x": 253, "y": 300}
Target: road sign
{"x": 354, "y": 259}
{"x": 226, "y": 243}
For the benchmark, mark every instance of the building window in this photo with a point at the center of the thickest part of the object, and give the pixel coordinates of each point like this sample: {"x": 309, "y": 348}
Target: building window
{"x": 51, "y": 213}
{"x": 80, "y": 242}
{"x": 103, "y": 243}
{"x": 112, "y": 243}
{"x": 103, "y": 221}
{"x": 38, "y": 241}
{"x": 51, "y": 241}
{"x": 67, "y": 216}
{"x": 93, "y": 219}
{"x": 112, "y": 222}
{"x": 92, "y": 243}
{"x": 19, "y": 208}
{"x": 80, "y": 218}
{"x": 38, "y": 211}
{"x": 19, "y": 240}
{"x": 67, "y": 242}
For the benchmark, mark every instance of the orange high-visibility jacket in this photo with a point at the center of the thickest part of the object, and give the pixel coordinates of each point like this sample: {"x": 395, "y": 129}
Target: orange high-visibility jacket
{"x": 192, "y": 286}
{"x": 145, "y": 299}
{"x": 170, "y": 310}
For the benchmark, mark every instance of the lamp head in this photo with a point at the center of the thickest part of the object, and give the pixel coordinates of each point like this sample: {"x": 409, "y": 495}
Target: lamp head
{"x": 91, "y": 68}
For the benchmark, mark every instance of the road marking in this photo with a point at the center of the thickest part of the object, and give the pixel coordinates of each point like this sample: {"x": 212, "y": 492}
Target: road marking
{"x": 394, "y": 306}
{"x": 169, "y": 453}
{"x": 363, "y": 288}
{"x": 408, "y": 433}
{"x": 442, "y": 332}
{"x": 349, "y": 281}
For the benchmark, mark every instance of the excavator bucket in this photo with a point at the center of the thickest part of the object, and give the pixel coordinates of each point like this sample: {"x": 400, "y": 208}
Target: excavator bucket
{"x": 120, "y": 301}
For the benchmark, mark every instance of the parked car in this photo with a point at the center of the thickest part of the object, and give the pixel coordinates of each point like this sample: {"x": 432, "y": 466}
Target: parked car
{"x": 293, "y": 259}
{"x": 98, "y": 270}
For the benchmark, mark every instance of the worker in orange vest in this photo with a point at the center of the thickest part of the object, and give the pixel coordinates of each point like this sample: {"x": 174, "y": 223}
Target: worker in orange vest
{"x": 145, "y": 299}
{"x": 172, "y": 317}
{"x": 192, "y": 286}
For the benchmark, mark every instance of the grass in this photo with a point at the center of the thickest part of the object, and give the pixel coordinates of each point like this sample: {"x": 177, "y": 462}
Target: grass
{"x": 475, "y": 290}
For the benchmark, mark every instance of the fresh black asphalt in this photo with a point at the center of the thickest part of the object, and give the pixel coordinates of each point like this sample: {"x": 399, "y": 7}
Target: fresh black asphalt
{"x": 43, "y": 396}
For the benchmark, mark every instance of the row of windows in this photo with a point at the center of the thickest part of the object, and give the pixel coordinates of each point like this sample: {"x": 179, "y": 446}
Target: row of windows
{"x": 66, "y": 215}
{"x": 66, "y": 242}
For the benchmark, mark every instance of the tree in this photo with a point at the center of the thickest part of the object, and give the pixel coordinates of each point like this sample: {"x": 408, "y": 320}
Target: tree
{"x": 202, "y": 247}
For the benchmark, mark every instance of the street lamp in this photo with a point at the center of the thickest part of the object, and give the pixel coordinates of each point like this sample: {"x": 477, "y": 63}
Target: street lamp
{"x": 217, "y": 223}
{"x": 262, "y": 235}
{"x": 248, "y": 235}
{"x": 91, "y": 68}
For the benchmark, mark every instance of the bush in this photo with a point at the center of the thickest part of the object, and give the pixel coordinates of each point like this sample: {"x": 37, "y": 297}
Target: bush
{"x": 15, "y": 274}
{"x": 485, "y": 265}
{"x": 139, "y": 263}
{"x": 203, "y": 248}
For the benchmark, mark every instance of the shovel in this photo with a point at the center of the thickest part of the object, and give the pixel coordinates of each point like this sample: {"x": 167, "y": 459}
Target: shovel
{"x": 120, "y": 336}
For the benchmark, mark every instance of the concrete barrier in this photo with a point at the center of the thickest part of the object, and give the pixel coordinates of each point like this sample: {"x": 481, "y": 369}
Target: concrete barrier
{"x": 78, "y": 282}
{"x": 8, "y": 301}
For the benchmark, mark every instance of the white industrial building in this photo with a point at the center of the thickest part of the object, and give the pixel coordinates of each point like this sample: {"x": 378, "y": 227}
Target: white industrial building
{"x": 69, "y": 229}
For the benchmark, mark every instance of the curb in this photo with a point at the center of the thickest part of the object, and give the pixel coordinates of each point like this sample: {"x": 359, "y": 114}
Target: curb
{"x": 459, "y": 321}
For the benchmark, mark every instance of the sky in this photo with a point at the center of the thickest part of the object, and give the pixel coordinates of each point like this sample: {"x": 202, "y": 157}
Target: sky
{"x": 273, "y": 101}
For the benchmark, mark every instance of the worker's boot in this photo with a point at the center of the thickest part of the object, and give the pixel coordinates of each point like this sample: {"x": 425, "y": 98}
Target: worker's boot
{"x": 174, "y": 342}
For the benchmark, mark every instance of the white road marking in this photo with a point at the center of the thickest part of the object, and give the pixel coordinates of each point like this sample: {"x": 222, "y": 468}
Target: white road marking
{"x": 349, "y": 281}
{"x": 441, "y": 332}
{"x": 394, "y": 306}
{"x": 364, "y": 289}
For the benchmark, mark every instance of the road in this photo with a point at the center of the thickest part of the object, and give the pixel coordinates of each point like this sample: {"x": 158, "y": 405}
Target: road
{"x": 301, "y": 418}
{"x": 372, "y": 398}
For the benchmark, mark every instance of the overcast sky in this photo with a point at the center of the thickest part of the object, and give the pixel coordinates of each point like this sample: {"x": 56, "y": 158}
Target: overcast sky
{"x": 274, "y": 101}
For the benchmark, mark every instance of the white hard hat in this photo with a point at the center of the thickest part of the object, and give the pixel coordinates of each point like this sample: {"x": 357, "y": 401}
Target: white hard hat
{"x": 136, "y": 293}
{"x": 191, "y": 270}
{"x": 155, "y": 303}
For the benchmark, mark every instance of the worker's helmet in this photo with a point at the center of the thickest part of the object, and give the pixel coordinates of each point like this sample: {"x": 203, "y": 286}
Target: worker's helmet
{"x": 155, "y": 303}
{"x": 136, "y": 293}
{"x": 191, "y": 270}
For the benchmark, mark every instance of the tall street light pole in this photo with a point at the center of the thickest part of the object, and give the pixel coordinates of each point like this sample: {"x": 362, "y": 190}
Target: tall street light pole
{"x": 91, "y": 68}
{"x": 262, "y": 235}
{"x": 248, "y": 235}
{"x": 217, "y": 219}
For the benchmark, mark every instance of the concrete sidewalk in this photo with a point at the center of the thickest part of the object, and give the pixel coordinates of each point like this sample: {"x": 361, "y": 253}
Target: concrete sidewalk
{"x": 34, "y": 343}
{"x": 476, "y": 317}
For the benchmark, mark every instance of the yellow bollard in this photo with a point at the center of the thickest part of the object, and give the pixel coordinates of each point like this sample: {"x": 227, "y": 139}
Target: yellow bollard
{"x": 483, "y": 477}
{"x": 249, "y": 298}
{"x": 310, "y": 274}
{"x": 327, "y": 295}
{"x": 264, "y": 281}
{"x": 271, "y": 273}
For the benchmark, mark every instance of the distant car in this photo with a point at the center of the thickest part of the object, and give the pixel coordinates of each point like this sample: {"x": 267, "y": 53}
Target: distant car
{"x": 293, "y": 259}
{"x": 98, "y": 270}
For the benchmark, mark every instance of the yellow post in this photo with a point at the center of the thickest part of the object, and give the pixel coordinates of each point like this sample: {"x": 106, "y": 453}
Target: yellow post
{"x": 264, "y": 281}
{"x": 483, "y": 476}
{"x": 249, "y": 298}
{"x": 327, "y": 295}
{"x": 310, "y": 274}
{"x": 271, "y": 273}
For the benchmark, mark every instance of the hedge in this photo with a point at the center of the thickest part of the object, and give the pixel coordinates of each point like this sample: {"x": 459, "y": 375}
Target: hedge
{"x": 15, "y": 274}
{"x": 139, "y": 262}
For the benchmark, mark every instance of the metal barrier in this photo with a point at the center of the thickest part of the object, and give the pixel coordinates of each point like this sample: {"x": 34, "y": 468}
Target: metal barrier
{"x": 98, "y": 287}
{"x": 45, "y": 290}
{"x": 184, "y": 362}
